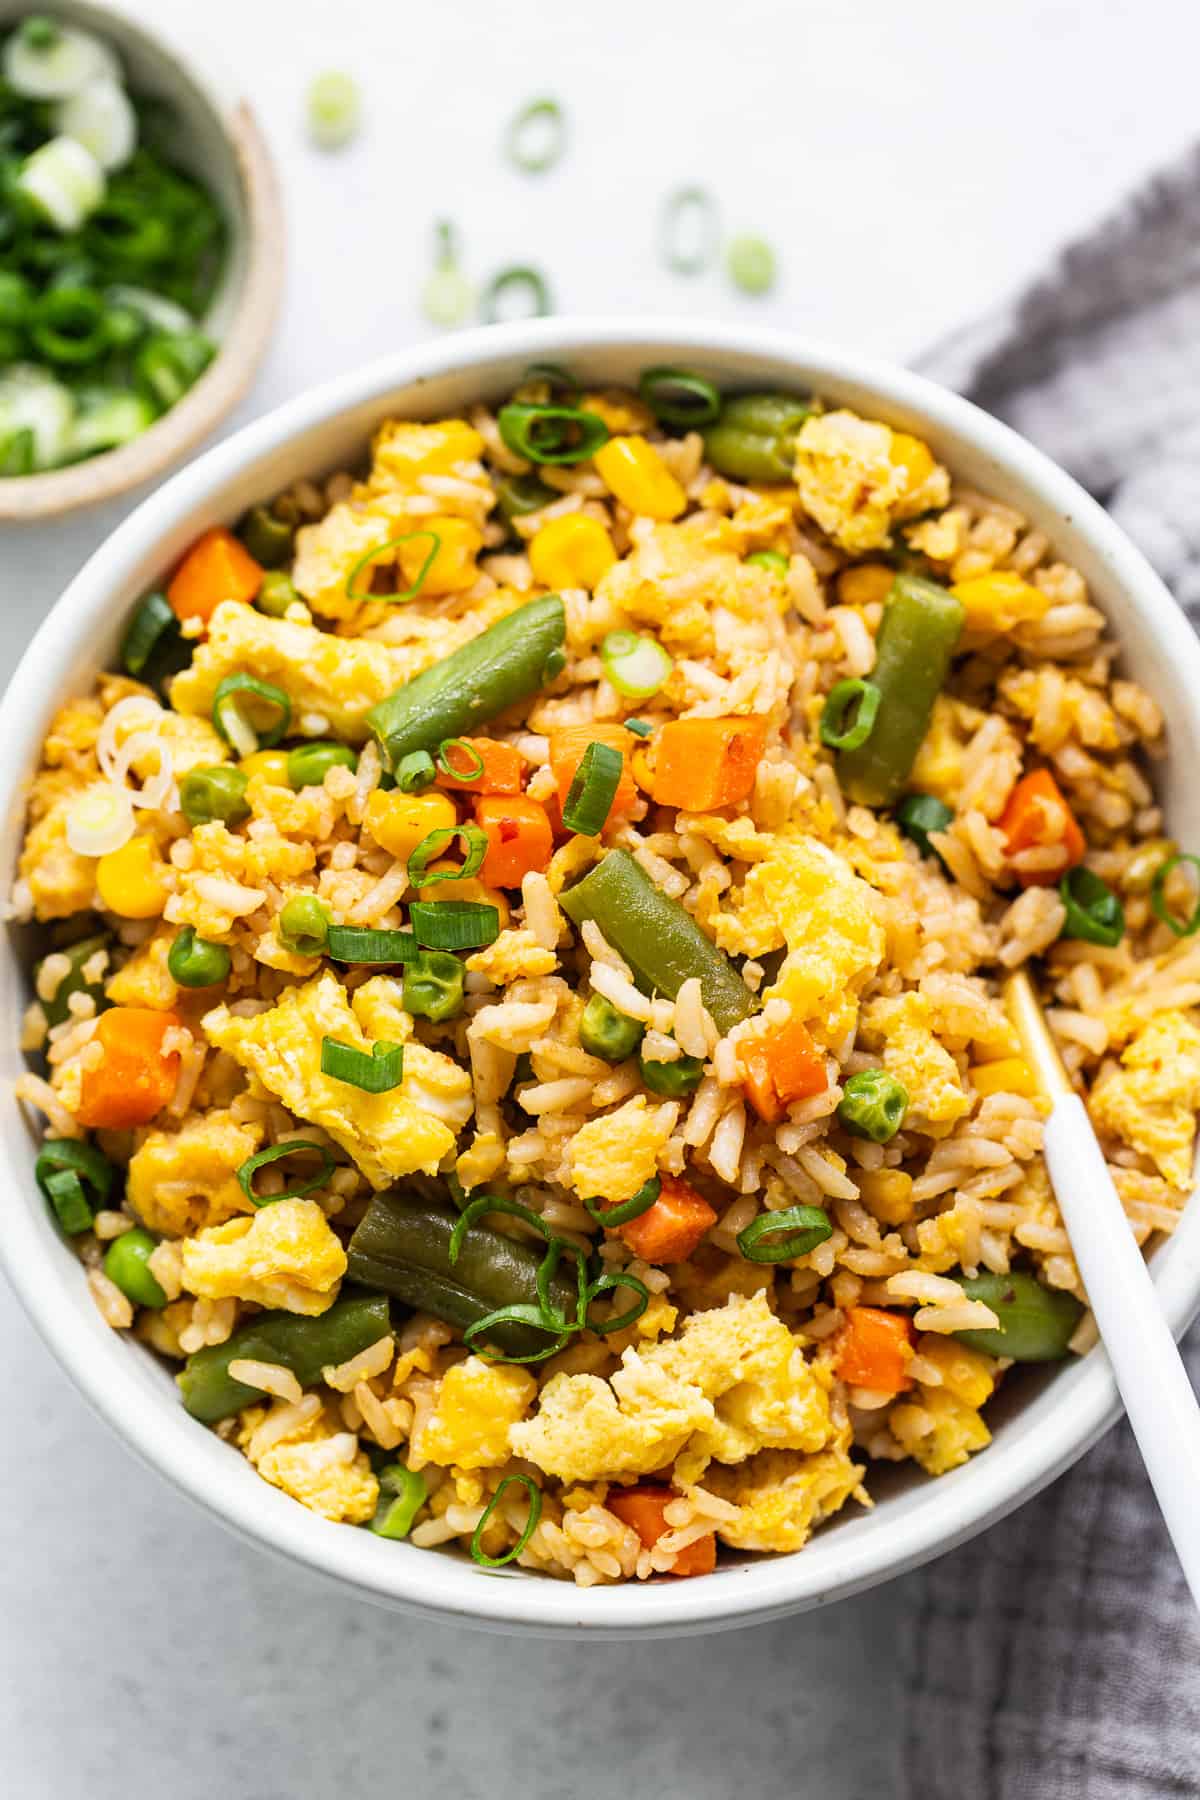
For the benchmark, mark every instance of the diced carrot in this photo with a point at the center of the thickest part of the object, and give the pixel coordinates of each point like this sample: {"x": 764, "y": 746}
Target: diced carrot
{"x": 501, "y": 773}
{"x": 216, "y": 568}
{"x": 136, "y": 1078}
{"x": 519, "y": 838}
{"x": 671, "y": 1229}
{"x": 643, "y": 1509}
{"x": 873, "y": 1349}
{"x": 567, "y": 746}
{"x": 700, "y": 764}
{"x": 1037, "y": 817}
{"x": 780, "y": 1067}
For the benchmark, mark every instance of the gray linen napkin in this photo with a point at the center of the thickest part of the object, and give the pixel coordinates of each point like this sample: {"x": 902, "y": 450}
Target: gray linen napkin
{"x": 1058, "y": 1656}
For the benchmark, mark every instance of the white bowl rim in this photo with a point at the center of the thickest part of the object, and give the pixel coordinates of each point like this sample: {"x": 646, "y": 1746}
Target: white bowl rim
{"x": 833, "y": 1565}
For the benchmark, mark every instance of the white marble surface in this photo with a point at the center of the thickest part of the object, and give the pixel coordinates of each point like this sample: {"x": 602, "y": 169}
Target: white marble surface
{"x": 912, "y": 163}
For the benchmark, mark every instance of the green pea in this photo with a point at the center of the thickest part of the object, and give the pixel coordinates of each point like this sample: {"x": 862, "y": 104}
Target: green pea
{"x": 755, "y": 437}
{"x": 307, "y": 763}
{"x": 267, "y": 537}
{"x": 125, "y": 1264}
{"x": 517, "y": 495}
{"x": 303, "y": 925}
{"x": 672, "y": 1079}
{"x": 1036, "y": 1322}
{"x": 607, "y": 1033}
{"x": 215, "y": 793}
{"x": 276, "y": 594}
{"x": 433, "y": 986}
{"x": 194, "y": 962}
{"x": 873, "y": 1105}
{"x": 769, "y": 559}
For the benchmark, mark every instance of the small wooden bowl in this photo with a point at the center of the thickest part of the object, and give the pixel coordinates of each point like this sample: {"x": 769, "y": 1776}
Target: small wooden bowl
{"x": 219, "y": 141}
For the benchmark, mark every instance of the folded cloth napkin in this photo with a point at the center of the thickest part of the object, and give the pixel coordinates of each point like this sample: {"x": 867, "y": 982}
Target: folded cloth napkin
{"x": 1057, "y": 1657}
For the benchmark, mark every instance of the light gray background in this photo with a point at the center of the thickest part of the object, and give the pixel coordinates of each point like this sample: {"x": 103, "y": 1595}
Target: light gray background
{"x": 912, "y": 162}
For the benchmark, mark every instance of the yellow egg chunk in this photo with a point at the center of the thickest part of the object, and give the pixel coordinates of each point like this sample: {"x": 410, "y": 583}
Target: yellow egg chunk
{"x": 59, "y": 880}
{"x": 477, "y": 1402}
{"x": 901, "y": 1027}
{"x": 184, "y": 1181}
{"x": 286, "y": 1256}
{"x": 613, "y": 1156}
{"x": 1000, "y": 601}
{"x": 133, "y": 881}
{"x": 325, "y": 1471}
{"x": 938, "y": 1430}
{"x": 856, "y": 478}
{"x": 782, "y": 1496}
{"x": 1151, "y": 1100}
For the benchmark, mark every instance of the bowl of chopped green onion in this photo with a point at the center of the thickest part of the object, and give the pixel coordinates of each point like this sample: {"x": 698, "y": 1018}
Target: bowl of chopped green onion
{"x": 140, "y": 255}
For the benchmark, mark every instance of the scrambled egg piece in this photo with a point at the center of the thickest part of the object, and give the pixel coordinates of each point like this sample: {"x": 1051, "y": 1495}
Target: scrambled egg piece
{"x": 1151, "y": 1100}
{"x": 403, "y": 452}
{"x": 228, "y": 877}
{"x": 388, "y": 1135}
{"x": 901, "y": 1026}
{"x": 673, "y": 580}
{"x": 60, "y": 881}
{"x": 145, "y": 980}
{"x": 477, "y": 1403}
{"x": 968, "y": 1374}
{"x": 182, "y": 1181}
{"x": 324, "y": 1470}
{"x": 193, "y": 742}
{"x": 286, "y": 1256}
{"x": 615, "y": 1155}
{"x": 856, "y": 477}
{"x": 513, "y": 956}
{"x": 783, "y": 1495}
{"x": 735, "y": 1381}
{"x": 938, "y": 768}
{"x": 807, "y": 897}
{"x": 937, "y": 1429}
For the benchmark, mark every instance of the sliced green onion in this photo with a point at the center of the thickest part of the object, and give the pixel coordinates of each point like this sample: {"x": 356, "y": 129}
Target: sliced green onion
{"x": 1094, "y": 914}
{"x": 32, "y": 401}
{"x": 612, "y": 1216}
{"x": 105, "y": 418}
{"x": 447, "y": 297}
{"x": 151, "y": 624}
{"x": 522, "y": 1313}
{"x": 551, "y": 434}
{"x": 689, "y": 230}
{"x": 493, "y": 1203}
{"x": 848, "y": 718}
{"x": 45, "y": 59}
{"x": 18, "y": 453}
{"x": 537, "y": 136}
{"x": 520, "y": 279}
{"x": 636, "y": 666}
{"x": 475, "y": 765}
{"x": 333, "y": 108}
{"x": 372, "y": 556}
{"x": 154, "y": 310}
{"x": 454, "y": 924}
{"x": 64, "y": 1191}
{"x": 64, "y": 1169}
{"x": 366, "y": 944}
{"x": 277, "y": 1153}
{"x": 679, "y": 397}
{"x": 919, "y": 814}
{"x": 616, "y": 1278}
{"x": 639, "y": 728}
{"x": 415, "y": 772}
{"x": 593, "y": 789}
{"x": 517, "y": 495}
{"x": 231, "y": 721}
{"x": 531, "y": 1523}
{"x": 377, "y": 1073}
{"x": 751, "y": 264}
{"x": 166, "y": 367}
{"x": 402, "y": 1494}
{"x": 63, "y": 181}
{"x": 70, "y": 325}
{"x": 774, "y": 560}
{"x": 1159, "y": 903}
{"x": 779, "y": 1236}
{"x": 556, "y": 1249}
{"x": 475, "y": 847}
{"x": 100, "y": 116}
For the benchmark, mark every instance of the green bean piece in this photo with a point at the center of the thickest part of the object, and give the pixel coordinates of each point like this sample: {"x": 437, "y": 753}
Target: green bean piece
{"x": 276, "y": 593}
{"x": 755, "y": 437}
{"x": 433, "y": 986}
{"x": 215, "y": 793}
{"x": 303, "y": 925}
{"x": 74, "y": 981}
{"x": 917, "y": 637}
{"x": 125, "y": 1264}
{"x": 402, "y": 1247}
{"x": 307, "y": 764}
{"x": 607, "y": 1033}
{"x": 1036, "y": 1322}
{"x": 517, "y": 495}
{"x": 194, "y": 962}
{"x": 66, "y": 1168}
{"x": 402, "y": 1494}
{"x": 660, "y": 941}
{"x": 268, "y": 538}
{"x": 672, "y": 1079}
{"x": 303, "y": 1345}
{"x": 516, "y": 657}
{"x": 873, "y": 1105}
{"x": 151, "y": 622}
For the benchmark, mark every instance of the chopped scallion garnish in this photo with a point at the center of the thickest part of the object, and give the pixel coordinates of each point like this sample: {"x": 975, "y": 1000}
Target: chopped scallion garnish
{"x": 475, "y": 846}
{"x": 848, "y": 717}
{"x": 454, "y": 924}
{"x": 521, "y": 280}
{"x": 537, "y": 136}
{"x": 475, "y": 765}
{"x": 593, "y": 789}
{"x": 531, "y": 1522}
{"x": 551, "y": 434}
{"x": 277, "y": 1153}
{"x": 372, "y": 557}
{"x": 367, "y": 945}
{"x": 1158, "y": 900}
{"x": 229, "y": 713}
{"x": 612, "y": 1216}
{"x": 636, "y": 666}
{"x": 415, "y": 772}
{"x": 375, "y": 1073}
{"x": 781, "y": 1236}
{"x": 616, "y": 1278}
{"x": 689, "y": 230}
{"x": 679, "y": 397}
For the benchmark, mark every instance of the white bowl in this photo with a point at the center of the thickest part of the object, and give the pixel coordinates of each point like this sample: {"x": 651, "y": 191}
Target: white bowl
{"x": 1042, "y": 1422}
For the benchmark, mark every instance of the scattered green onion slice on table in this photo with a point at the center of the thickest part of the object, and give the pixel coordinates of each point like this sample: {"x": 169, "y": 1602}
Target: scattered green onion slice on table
{"x": 64, "y": 1170}
{"x": 689, "y": 229}
{"x": 639, "y": 728}
{"x": 231, "y": 721}
{"x": 415, "y": 772}
{"x": 678, "y": 396}
{"x": 919, "y": 814}
{"x": 447, "y": 296}
{"x": 780, "y": 1236}
{"x": 333, "y": 108}
{"x": 751, "y": 264}
{"x": 1158, "y": 901}
{"x": 612, "y": 1216}
{"x": 153, "y": 621}
{"x": 369, "y": 945}
{"x": 537, "y": 136}
{"x": 593, "y": 789}
{"x": 303, "y": 925}
{"x": 551, "y": 434}
{"x": 402, "y": 1494}
{"x": 531, "y": 1522}
{"x": 375, "y": 1073}
{"x": 277, "y": 1153}
{"x": 1094, "y": 913}
{"x": 372, "y": 556}
{"x": 523, "y": 281}
{"x": 475, "y": 765}
{"x": 637, "y": 666}
{"x": 873, "y": 1105}
{"x": 849, "y": 714}
{"x": 195, "y": 962}
{"x": 454, "y": 924}
{"x": 604, "y": 1284}
{"x": 475, "y": 847}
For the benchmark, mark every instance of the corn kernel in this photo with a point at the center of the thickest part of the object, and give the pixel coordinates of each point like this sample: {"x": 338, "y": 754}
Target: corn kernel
{"x": 399, "y": 822}
{"x": 1010, "y": 1075}
{"x": 887, "y": 1193}
{"x": 133, "y": 880}
{"x": 571, "y": 552}
{"x": 633, "y": 471}
{"x": 453, "y": 567}
{"x": 270, "y": 765}
{"x": 914, "y": 457}
{"x": 469, "y": 889}
{"x": 865, "y": 584}
{"x": 1000, "y": 601}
